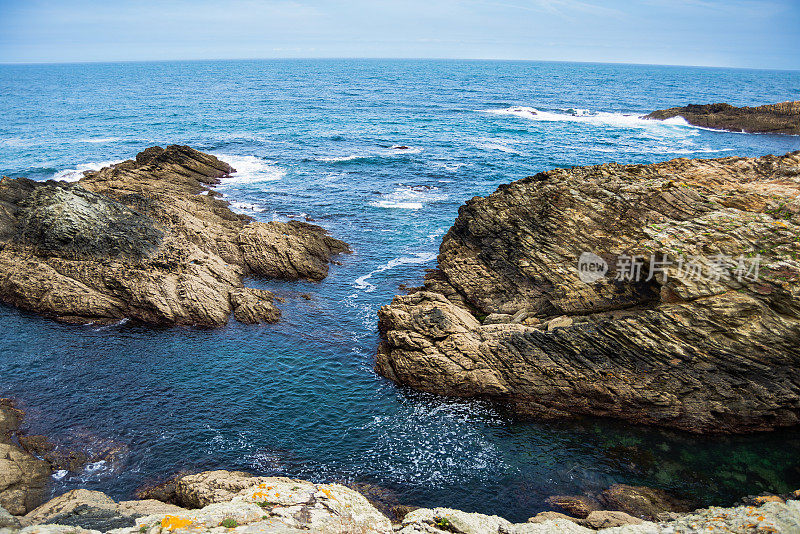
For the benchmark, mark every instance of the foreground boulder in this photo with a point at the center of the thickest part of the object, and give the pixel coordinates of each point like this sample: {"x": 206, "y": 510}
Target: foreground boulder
{"x": 662, "y": 294}
{"x": 147, "y": 239}
{"x": 24, "y": 479}
{"x": 783, "y": 118}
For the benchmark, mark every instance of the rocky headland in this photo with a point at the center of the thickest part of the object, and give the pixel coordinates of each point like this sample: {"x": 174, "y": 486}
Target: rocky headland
{"x": 148, "y": 239}
{"x": 236, "y": 502}
{"x": 663, "y": 294}
{"x": 782, "y": 118}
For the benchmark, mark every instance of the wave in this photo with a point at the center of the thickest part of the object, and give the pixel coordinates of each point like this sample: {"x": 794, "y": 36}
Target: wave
{"x": 394, "y": 151}
{"x": 415, "y": 259}
{"x": 250, "y": 170}
{"x": 409, "y": 198}
{"x": 245, "y": 208}
{"x": 99, "y": 140}
{"x": 76, "y": 173}
{"x": 597, "y": 118}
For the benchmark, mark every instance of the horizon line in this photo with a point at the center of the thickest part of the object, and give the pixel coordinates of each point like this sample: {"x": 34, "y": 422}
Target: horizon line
{"x": 373, "y": 58}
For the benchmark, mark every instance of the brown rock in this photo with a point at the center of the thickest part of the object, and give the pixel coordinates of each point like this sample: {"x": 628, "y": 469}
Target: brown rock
{"x": 541, "y": 517}
{"x": 24, "y": 479}
{"x": 709, "y": 354}
{"x": 10, "y": 419}
{"x": 143, "y": 240}
{"x": 608, "y": 519}
{"x": 579, "y": 506}
{"x": 641, "y": 501}
{"x": 783, "y": 118}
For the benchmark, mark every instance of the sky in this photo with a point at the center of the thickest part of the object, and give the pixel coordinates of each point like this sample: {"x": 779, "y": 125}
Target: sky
{"x": 726, "y": 33}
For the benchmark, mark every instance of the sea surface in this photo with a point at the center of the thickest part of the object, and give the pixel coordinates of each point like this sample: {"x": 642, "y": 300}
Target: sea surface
{"x": 319, "y": 139}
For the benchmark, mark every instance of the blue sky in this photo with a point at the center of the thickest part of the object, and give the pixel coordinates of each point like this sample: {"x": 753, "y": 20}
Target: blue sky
{"x": 735, "y": 33}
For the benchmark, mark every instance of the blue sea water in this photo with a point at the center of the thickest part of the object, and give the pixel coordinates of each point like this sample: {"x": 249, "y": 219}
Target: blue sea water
{"x": 319, "y": 139}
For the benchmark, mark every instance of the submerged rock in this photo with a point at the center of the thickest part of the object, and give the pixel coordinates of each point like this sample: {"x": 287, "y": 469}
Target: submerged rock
{"x": 143, "y": 240}
{"x": 709, "y": 343}
{"x": 783, "y": 118}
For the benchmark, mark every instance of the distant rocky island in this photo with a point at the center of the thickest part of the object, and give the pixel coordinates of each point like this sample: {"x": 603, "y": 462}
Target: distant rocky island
{"x": 663, "y": 294}
{"x": 148, "y": 239}
{"x": 783, "y": 118}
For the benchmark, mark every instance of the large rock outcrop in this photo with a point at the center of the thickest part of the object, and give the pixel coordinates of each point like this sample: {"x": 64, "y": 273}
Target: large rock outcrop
{"x": 783, "y": 118}
{"x": 24, "y": 479}
{"x": 709, "y": 343}
{"x": 147, "y": 239}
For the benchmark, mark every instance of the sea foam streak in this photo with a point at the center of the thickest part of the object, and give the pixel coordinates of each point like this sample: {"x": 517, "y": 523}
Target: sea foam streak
{"x": 600, "y": 118}
{"x": 73, "y": 175}
{"x": 397, "y": 150}
{"x": 250, "y": 170}
{"x": 409, "y": 198}
{"x": 416, "y": 258}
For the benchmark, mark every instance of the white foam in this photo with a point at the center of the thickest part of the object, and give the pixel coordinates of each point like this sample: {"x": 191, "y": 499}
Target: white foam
{"x": 394, "y": 151}
{"x": 60, "y": 474}
{"x": 99, "y": 140}
{"x": 75, "y": 174}
{"x": 250, "y": 170}
{"x": 417, "y": 258}
{"x": 409, "y": 198}
{"x": 498, "y": 145}
{"x": 599, "y": 118}
{"x": 246, "y": 207}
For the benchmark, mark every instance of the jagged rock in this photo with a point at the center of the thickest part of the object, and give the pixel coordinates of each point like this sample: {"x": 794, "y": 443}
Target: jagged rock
{"x": 708, "y": 354}
{"x": 641, "y": 501}
{"x": 600, "y": 519}
{"x": 541, "y": 517}
{"x": 23, "y": 479}
{"x": 140, "y": 240}
{"x": 783, "y": 118}
{"x": 7, "y": 520}
{"x": 10, "y": 419}
{"x": 95, "y": 510}
{"x": 579, "y": 506}
{"x": 42, "y": 447}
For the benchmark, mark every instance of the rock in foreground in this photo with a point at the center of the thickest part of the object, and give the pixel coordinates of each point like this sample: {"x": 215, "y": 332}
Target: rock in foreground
{"x": 24, "y": 479}
{"x": 544, "y": 298}
{"x": 783, "y": 118}
{"x": 237, "y": 503}
{"x": 147, "y": 239}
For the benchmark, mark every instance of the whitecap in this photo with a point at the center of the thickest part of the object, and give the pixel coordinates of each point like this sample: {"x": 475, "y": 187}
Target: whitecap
{"x": 409, "y": 198}
{"x": 76, "y": 173}
{"x": 250, "y": 170}
{"x": 246, "y": 207}
{"x": 99, "y": 140}
{"x": 597, "y": 118}
{"x": 60, "y": 474}
{"x": 416, "y": 258}
{"x": 394, "y": 151}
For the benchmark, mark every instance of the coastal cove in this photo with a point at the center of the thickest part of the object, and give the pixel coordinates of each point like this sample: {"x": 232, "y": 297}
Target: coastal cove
{"x": 381, "y": 154}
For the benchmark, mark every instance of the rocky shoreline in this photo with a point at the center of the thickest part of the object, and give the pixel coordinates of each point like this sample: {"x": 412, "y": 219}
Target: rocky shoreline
{"x": 148, "y": 239}
{"x": 782, "y": 118}
{"x": 226, "y": 501}
{"x": 663, "y": 294}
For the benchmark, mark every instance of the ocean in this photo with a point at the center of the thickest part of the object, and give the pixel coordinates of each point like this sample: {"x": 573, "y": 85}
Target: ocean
{"x": 321, "y": 140}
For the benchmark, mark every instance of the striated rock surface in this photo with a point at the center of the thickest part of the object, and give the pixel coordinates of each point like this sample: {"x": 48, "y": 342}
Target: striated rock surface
{"x": 543, "y": 299}
{"x": 147, "y": 239}
{"x": 783, "y": 118}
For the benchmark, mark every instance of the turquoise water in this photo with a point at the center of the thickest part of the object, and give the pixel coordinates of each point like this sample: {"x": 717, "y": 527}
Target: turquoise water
{"x": 317, "y": 139}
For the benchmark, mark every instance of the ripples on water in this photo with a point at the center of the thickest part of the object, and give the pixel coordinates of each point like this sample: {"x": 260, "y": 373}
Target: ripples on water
{"x": 321, "y": 140}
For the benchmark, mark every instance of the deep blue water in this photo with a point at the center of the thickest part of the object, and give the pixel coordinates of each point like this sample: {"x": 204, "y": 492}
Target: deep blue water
{"x": 314, "y": 138}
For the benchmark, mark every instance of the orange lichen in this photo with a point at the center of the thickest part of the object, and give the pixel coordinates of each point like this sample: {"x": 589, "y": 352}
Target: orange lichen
{"x": 173, "y": 522}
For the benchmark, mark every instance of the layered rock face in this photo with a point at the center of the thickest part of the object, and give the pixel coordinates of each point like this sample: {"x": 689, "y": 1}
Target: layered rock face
{"x": 544, "y": 297}
{"x": 783, "y": 118}
{"x": 147, "y": 239}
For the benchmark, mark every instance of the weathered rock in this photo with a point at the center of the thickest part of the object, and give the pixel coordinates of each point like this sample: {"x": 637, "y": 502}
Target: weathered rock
{"x": 10, "y": 419}
{"x": 541, "y": 517}
{"x": 641, "y": 501}
{"x": 23, "y": 479}
{"x": 95, "y": 510}
{"x": 143, "y": 239}
{"x": 704, "y": 354}
{"x": 7, "y": 520}
{"x": 600, "y": 519}
{"x": 58, "y": 458}
{"x": 579, "y": 506}
{"x": 783, "y": 118}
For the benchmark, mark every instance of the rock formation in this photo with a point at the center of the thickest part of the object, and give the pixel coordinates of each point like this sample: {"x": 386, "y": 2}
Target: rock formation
{"x": 783, "y": 118}
{"x": 240, "y": 503}
{"x": 147, "y": 239}
{"x": 24, "y": 479}
{"x": 545, "y": 300}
